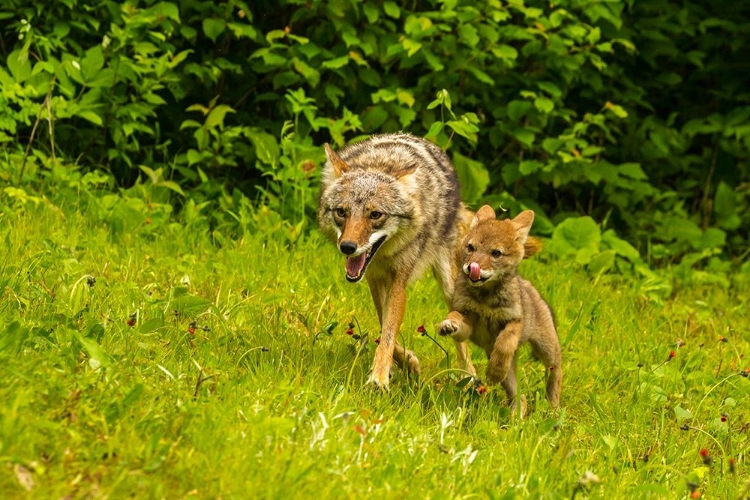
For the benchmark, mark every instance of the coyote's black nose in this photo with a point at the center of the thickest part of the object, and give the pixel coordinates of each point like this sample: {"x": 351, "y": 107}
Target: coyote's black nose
{"x": 348, "y": 247}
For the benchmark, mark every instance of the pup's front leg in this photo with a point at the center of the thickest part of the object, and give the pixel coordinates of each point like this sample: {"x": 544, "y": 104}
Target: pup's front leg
{"x": 459, "y": 328}
{"x": 456, "y": 326}
{"x": 392, "y": 318}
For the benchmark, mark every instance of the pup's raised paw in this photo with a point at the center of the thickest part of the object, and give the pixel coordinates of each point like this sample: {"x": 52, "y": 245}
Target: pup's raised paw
{"x": 447, "y": 327}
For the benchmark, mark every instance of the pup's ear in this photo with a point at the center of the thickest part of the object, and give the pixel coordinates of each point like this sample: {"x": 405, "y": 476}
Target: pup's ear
{"x": 523, "y": 223}
{"x": 483, "y": 214}
{"x": 336, "y": 164}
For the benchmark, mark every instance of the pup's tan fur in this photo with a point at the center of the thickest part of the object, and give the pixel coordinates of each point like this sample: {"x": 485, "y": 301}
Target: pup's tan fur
{"x": 499, "y": 310}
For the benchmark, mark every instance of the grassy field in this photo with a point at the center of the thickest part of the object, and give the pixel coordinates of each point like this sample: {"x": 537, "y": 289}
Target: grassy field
{"x": 148, "y": 358}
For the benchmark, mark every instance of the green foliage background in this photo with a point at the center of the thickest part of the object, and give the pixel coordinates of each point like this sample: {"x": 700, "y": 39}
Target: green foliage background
{"x": 635, "y": 114}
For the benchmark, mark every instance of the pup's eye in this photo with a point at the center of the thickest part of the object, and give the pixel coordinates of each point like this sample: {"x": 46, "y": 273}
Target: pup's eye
{"x": 340, "y": 212}
{"x": 496, "y": 253}
{"x": 375, "y": 215}
{"x": 470, "y": 248}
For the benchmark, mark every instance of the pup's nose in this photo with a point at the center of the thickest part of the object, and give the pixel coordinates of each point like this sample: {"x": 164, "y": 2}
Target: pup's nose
{"x": 348, "y": 247}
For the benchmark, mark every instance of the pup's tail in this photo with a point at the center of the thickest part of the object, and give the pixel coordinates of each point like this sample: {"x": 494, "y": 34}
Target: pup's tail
{"x": 531, "y": 247}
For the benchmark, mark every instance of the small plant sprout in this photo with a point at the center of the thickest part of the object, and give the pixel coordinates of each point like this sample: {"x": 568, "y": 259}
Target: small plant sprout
{"x": 132, "y": 320}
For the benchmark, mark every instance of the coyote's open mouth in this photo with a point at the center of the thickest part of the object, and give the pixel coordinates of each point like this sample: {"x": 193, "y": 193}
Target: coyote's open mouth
{"x": 355, "y": 266}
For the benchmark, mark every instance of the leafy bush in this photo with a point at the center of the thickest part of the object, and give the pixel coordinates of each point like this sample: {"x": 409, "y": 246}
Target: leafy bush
{"x": 636, "y": 114}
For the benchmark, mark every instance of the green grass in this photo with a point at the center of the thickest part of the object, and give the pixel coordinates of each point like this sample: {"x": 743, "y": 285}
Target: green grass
{"x": 266, "y": 403}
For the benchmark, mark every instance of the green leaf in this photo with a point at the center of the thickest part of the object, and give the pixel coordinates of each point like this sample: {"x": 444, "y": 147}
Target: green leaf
{"x": 168, "y": 10}
{"x": 473, "y": 177}
{"x": 517, "y": 109}
{"x": 97, "y": 356}
{"x": 90, "y": 116}
{"x": 266, "y": 147}
{"x": 468, "y": 34}
{"x": 92, "y": 62}
{"x": 187, "y": 304}
{"x": 544, "y": 104}
{"x": 681, "y": 414}
{"x": 213, "y": 27}
{"x": 216, "y": 116}
{"x": 435, "y": 129}
{"x": 310, "y": 74}
{"x": 725, "y": 207}
{"x": 463, "y": 128}
{"x": 617, "y": 110}
{"x": 601, "y": 262}
{"x": 550, "y": 88}
{"x": 336, "y": 63}
{"x": 151, "y": 325}
{"x": 622, "y": 247}
{"x": 19, "y": 65}
{"x": 505, "y": 52}
{"x": 524, "y": 135}
{"x": 575, "y": 234}
{"x": 392, "y": 9}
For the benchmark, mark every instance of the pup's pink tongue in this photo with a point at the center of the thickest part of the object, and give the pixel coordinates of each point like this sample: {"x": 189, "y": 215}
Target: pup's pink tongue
{"x": 474, "y": 271}
{"x": 354, "y": 265}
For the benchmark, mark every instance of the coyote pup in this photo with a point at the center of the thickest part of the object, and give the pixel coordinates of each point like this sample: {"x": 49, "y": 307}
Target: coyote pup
{"x": 391, "y": 203}
{"x": 497, "y": 309}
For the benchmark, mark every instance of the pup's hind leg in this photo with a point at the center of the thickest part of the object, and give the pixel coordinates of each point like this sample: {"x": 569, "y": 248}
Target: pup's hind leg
{"x": 510, "y": 384}
{"x": 547, "y": 350}
{"x": 405, "y": 358}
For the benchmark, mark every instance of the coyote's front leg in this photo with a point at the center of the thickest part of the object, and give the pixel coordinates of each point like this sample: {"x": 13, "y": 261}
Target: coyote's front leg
{"x": 392, "y": 318}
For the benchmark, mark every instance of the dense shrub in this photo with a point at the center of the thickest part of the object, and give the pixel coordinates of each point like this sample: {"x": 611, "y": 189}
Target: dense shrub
{"x": 634, "y": 113}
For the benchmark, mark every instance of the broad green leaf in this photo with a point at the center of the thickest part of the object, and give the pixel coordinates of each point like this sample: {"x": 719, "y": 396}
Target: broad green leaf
{"x": 622, "y": 247}
{"x": 92, "y": 62}
{"x": 189, "y": 305}
{"x": 544, "y": 104}
{"x": 681, "y": 414}
{"x": 216, "y": 116}
{"x": 574, "y": 234}
{"x": 619, "y": 111}
{"x": 435, "y": 129}
{"x": 213, "y": 27}
{"x": 97, "y": 356}
{"x": 505, "y": 52}
{"x": 19, "y": 65}
{"x": 391, "y": 9}
{"x": 601, "y": 262}
{"x": 168, "y": 10}
{"x": 725, "y": 207}
{"x": 473, "y": 177}
{"x": 468, "y": 34}
{"x": 339, "y": 62}
{"x": 517, "y": 109}
{"x": 266, "y": 147}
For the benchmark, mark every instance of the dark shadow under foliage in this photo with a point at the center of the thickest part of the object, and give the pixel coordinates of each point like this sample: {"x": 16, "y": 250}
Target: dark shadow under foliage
{"x": 635, "y": 113}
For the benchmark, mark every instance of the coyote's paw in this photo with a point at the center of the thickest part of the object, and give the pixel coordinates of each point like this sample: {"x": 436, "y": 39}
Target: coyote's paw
{"x": 447, "y": 327}
{"x": 378, "y": 381}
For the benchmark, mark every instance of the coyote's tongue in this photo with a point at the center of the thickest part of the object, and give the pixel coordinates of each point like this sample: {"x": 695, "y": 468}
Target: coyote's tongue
{"x": 474, "y": 271}
{"x": 354, "y": 265}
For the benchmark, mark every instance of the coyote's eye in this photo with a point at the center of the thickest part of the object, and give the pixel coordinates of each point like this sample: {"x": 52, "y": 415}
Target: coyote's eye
{"x": 470, "y": 248}
{"x": 340, "y": 212}
{"x": 496, "y": 253}
{"x": 375, "y": 215}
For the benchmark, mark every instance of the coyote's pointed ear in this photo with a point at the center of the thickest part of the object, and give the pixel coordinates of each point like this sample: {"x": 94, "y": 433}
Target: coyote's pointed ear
{"x": 523, "y": 223}
{"x": 483, "y": 214}
{"x": 338, "y": 165}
